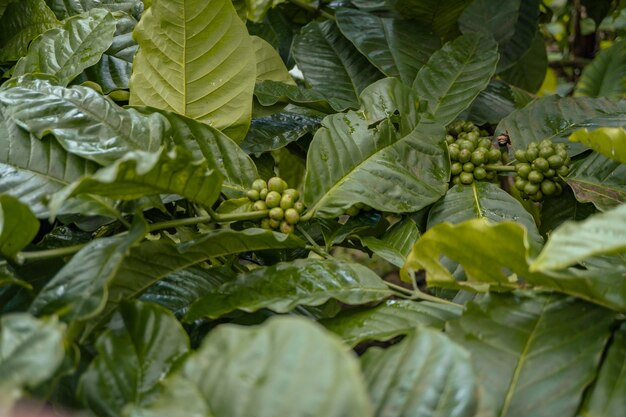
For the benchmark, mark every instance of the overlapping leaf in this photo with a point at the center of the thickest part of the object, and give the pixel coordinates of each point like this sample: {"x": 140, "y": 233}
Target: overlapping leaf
{"x": 195, "y": 58}
{"x": 18, "y": 226}
{"x": 609, "y": 141}
{"x": 395, "y": 244}
{"x": 605, "y": 76}
{"x": 390, "y": 319}
{"x": 271, "y": 92}
{"x": 284, "y": 286}
{"x": 529, "y": 71}
{"x": 534, "y": 355}
{"x": 424, "y": 375}
{"x": 432, "y": 14}
{"x": 455, "y": 74}
{"x": 67, "y": 8}
{"x": 492, "y": 104}
{"x": 269, "y": 64}
{"x": 398, "y": 48}
{"x": 66, "y": 51}
{"x": 599, "y": 180}
{"x": 132, "y": 359}
{"x": 84, "y": 122}
{"x": 278, "y": 130}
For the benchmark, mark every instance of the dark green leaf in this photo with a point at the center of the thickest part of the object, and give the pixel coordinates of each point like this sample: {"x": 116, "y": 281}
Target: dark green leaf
{"x": 388, "y": 43}
{"x": 336, "y": 232}
{"x": 492, "y": 104}
{"x": 278, "y": 130}
{"x": 605, "y": 76}
{"x": 455, "y": 74}
{"x": 438, "y": 16}
{"x": 271, "y": 92}
{"x": 529, "y": 71}
{"x": 67, "y": 8}
{"x": 133, "y": 357}
{"x": 18, "y": 226}
{"x": 524, "y": 32}
{"x": 389, "y": 319}
{"x": 534, "y": 355}
{"x": 599, "y": 180}
{"x": 66, "y": 51}
{"x": 284, "y": 286}
{"x": 331, "y": 64}
{"x": 396, "y": 243}
{"x": 555, "y": 211}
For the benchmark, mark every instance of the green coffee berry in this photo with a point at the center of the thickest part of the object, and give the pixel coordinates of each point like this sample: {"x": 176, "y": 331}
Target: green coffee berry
{"x": 548, "y": 187}
{"x": 555, "y": 161}
{"x": 292, "y": 192}
{"x": 276, "y": 213}
{"x": 520, "y": 155}
{"x": 273, "y": 199}
{"x": 480, "y": 173}
{"x": 478, "y": 157}
{"x": 456, "y": 180}
{"x": 531, "y": 188}
{"x": 287, "y": 201}
{"x": 253, "y": 195}
{"x": 485, "y": 143}
{"x": 541, "y": 164}
{"x": 263, "y": 193}
{"x": 523, "y": 169}
{"x": 546, "y": 151}
{"x": 352, "y": 211}
{"x": 265, "y": 224}
{"x": 520, "y": 183}
{"x": 274, "y": 224}
{"x": 258, "y": 185}
{"x": 532, "y": 154}
{"x": 466, "y": 178}
{"x": 276, "y": 184}
{"x": 286, "y": 228}
{"x": 454, "y": 153}
{"x": 259, "y": 205}
{"x": 535, "y": 177}
{"x": 292, "y": 216}
{"x": 563, "y": 171}
{"x": 456, "y": 168}
{"x": 549, "y": 173}
{"x": 299, "y": 207}
{"x": 468, "y": 167}
{"x": 494, "y": 155}
{"x": 465, "y": 155}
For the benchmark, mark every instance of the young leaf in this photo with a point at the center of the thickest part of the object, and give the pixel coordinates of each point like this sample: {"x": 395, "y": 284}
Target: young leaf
{"x": 195, "y": 58}
{"x": 395, "y": 244}
{"x": 269, "y": 64}
{"x": 132, "y": 359}
{"x": 515, "y": 341}
{"x": 605, "y": 398}
{"x": 84, "y": 122}
{"x": 389, "y": 43}
{"x": 66, "y": 51}
{"x": 331, "y": 64}
{"x": 272, "y": 369}
{"x": 605, "y": 76}
{"x": 455, "y": 74}
{"x": 139, "y": 174}
{"x": 22, "y": 22}
{"x": 609, "y": 141}
{"x": 284, "y": 286}
{"x": 18, "y": 226}
{"x": 600, "y": 234}
{"x": 599, "y": 180}
{"x": 390, "y": 319}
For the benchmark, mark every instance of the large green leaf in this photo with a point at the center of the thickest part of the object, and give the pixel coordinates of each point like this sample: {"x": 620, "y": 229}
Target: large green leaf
{"x": 139, "y": 174}
{"x": 30, "y": 352}
{"x": 331, "y": 64}
{"x": 398, "y": 48}
{"x": 529, "y": 71}
{"x": 605, "y": 76}
{"x": 389, "y": 319}
{"x": 22, "y": 22}
{"x": 496, "y": 257}
{"x": 605, "y": 398}
{"x": 524, "y": 32}
{"x": 556, "y": 211}
{"x": 80, "y": 289}
{"x": 492, "y": 104}
{"x": 4, "y": 4}
{"x": 288, "y": 366}
{"x": 555, "y": 118}
{"x": 284, "y": 286}
{"x": 600, "y": 234}
{"x": 534, "y": 355}
{"x": 269, "y": 64}
{"x": 132, "y": 359}
{"x": 195, "y": 58}
{"x": 85, "y": 123}
{"x": 599, "y": 180}
{"x": 31, "y": 169}
{"x": 440, "y": 17}
{"x": 278, "y": 130}
{"x": 67, "y": 8}
{"x": 481, "y": 200}
{"x": 392, "y": 170}
{"x": 395, "y": 244}
{"x": 271, "y": 92}
{"x": 455, "y": 74}
{"x": 66, "y": 51}
{"x": 424, "y": 375}
{"x": 18, "y": 226}
{"x": 609, "y": 141}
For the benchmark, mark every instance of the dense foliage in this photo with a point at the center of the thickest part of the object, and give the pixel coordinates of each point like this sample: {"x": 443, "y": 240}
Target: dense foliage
{"x": 424, "y": 217}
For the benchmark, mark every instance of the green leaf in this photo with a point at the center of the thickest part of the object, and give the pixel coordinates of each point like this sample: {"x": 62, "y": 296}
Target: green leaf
{"x": 195, "y": 58}
{"x": 4, "y": 4}
{"x": 481, "y": 200}
{"x": 492, "y": 104}
{"x": 85, "y": 123}
{"x": 31, "y": 169}
{"x": 523, "y": 36}
{"x": 455, "y": 74}
{"x": 396, "y": 243}
{"x": 348, "y": 162}
{"x": 67, "y": 8}
{"x": 269, "y": 64}
{"x": 529, "y": 71}
{"x": 397, "y": 377}
{"x": 599, "y": 180}
{"x": 556, "y": 211}
{"x": 132, "y": 359}
{"x": 599, "y": 234}
{"x": 609, "y": 141}
{"x": 390, "y": 319}
{"x": 331, "y": 64}
{"x": 257, "y": 9}
{"x": 273, "y": 369}
{"x": 286, "y": 285}
{"x": 533, "y": 355}
{"x": 30, "y": 352}
{"x": 389, "y": 43}
{"x": 271, "y": 92}
{"x": 605, "y": 76}
{"x": 80, "y": 289}
{"x": 441, "y": 18}
{"x": 18, "y": 226}
{"x": 336, "y": 232}
{"x": 555, "y": 118}
{"x": 605, "y": 398}
{"x": 277, "y": 131}
{"x": 22, "y": 22}
{"x": 139, "y": 174}
{"x": 66, "y": 51}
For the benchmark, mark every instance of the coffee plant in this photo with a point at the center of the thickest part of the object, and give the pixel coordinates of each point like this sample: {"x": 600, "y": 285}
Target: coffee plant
{"x": 401, "y": 208}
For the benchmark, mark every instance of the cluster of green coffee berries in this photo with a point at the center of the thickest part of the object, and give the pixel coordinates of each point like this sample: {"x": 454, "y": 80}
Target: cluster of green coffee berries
{"x": 282, "y": 203}
{"x": 539, "y": 169}
{"x": 356, "y": 209}
{"x": 470, "y": 151}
